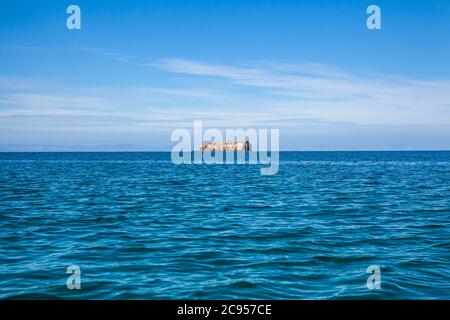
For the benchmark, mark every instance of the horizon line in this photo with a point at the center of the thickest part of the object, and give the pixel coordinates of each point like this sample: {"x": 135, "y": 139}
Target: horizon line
{"x": 166, "y": 151}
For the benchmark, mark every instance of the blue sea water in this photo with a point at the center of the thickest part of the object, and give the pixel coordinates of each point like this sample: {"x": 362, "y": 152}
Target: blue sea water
{"x": 140, "y": 227}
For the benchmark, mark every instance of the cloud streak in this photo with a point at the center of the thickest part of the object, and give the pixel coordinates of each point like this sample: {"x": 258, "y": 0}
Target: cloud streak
{"x": 331, "y": 94}
{"x": 308, "y": 100}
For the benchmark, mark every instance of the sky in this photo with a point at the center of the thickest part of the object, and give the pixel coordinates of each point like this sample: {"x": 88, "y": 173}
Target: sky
{"x": 138, "y": 70}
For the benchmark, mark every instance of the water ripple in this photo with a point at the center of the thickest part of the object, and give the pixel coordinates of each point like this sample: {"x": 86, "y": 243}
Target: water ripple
{"x": 140, "y": 227}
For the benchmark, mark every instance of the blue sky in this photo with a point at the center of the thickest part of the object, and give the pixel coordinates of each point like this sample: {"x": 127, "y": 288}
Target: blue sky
{"x": 137, "y": 70}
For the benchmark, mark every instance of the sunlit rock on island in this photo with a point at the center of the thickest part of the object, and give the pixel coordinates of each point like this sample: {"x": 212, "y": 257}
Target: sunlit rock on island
{"x": 226, "y": 146}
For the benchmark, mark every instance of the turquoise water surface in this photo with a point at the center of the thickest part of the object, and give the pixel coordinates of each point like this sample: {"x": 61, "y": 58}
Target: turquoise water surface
{"x": 140, "y": 227}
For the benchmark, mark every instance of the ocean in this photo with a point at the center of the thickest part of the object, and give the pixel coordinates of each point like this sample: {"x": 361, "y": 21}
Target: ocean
{"x": 140, "y": 227}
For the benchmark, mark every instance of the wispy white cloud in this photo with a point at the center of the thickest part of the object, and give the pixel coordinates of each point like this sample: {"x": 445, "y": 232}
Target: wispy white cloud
{"x": 37, "y": 101}
{"x": 331, "y": 94}
{"x": 306, "y": 99}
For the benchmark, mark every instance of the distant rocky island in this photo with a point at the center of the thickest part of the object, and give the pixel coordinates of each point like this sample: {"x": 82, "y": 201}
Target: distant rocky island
{"x": 226, "y": 146}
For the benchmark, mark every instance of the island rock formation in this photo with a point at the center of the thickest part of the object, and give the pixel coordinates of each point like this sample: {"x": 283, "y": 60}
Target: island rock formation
{"x": 226, "y": 146}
